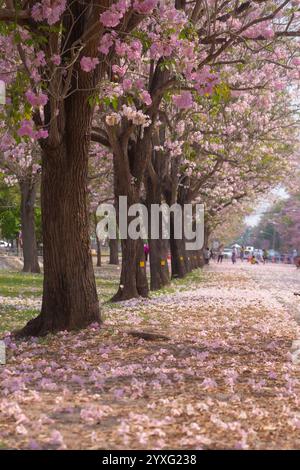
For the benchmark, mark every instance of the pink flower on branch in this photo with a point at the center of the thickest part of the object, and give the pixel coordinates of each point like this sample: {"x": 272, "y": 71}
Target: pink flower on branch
{"x": 145, "y": 6}
{"x": 34, "y": 99}
{"x": 49, "y": 10}
{"x": 88, "y": 63}
{"x": 184, "y": 100}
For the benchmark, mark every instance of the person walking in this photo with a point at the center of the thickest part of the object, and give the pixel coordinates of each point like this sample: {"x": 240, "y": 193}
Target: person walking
{"x": 265, "y": 256}
{"x": 206, "y": 255}
{"x": 233, "y": 256}
{"x": 220, "y": 254}
{"x": 242, "y": 253}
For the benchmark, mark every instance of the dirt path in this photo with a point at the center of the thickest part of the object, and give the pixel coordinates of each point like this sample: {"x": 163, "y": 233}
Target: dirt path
{"x": 224, "y": 378}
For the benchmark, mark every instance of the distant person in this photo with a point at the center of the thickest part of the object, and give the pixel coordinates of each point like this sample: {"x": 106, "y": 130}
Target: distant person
{"x": 233, "y": 256}
{"x": 146, "y": 251}
{"x": 253, "y": 260}
{"x": 220, "y": 254}
{"x": 207, "y": 255}
{"x": 242, "y": 254}
{"x": 265, "y": 256}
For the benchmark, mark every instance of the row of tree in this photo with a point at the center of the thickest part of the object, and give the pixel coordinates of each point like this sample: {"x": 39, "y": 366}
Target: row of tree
{"x": 175, "y": 101}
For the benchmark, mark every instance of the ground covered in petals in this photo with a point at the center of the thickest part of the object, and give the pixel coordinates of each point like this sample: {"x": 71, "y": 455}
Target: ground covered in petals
{"x": 224, "y": 376}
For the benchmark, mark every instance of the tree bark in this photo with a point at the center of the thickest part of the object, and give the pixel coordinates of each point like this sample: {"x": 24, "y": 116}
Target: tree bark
{"x": 69, "y": 293}
{"x": 159, "y": 270}
{"x": 99, "y": 263}
{"x": 30, "y": 253}
{"x": 178, "y": 257}
{"x": 114, "y": 251}
{"x": 133, "y": 278}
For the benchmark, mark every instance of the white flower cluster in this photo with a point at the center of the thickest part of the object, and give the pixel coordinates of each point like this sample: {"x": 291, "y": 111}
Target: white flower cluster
{"x": 113, "y": 119}
{"x": 174, "y": 147}
{"x": 137, "y": 117}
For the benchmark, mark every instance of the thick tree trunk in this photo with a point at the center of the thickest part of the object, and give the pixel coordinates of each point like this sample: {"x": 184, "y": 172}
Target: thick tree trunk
{"x": 141, "y": 270}
{"x": 114, "y": 251}
{"x": 30, "y": 254}
{"x": 178, "y": 261}
{"x": 133, "y": 278}
{"x": 200, "y": 258}
{"x": 159, "y": 269}
{"x": 69, "y": 292}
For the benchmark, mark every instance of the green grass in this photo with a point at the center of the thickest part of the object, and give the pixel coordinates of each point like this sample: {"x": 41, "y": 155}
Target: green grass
{"x": 3, "y": 446}
{"x": 15, "y": 284}
{"x": 14, "y": 319}
{"x": 22, "y": 285}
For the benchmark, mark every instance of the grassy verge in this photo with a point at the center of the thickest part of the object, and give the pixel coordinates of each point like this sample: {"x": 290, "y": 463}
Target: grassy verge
{"x": 22, "y": 294}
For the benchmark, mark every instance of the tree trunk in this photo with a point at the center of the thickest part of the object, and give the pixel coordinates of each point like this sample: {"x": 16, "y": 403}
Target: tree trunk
{"x": 141, "y": 270}
{"x": 178, "y": 262}
{"x": 200, "y": 256}
{"x": 69, "y": 293}
{"x": 133, "y": 278}
{"x": 159, "y": 269}
{"x": 114, "y": 251}
{"x": 30, "y": 254}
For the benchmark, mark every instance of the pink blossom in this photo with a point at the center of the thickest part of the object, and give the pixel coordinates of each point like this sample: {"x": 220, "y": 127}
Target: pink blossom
{"x": 88, "y": 63}
{"x": 26, "y": 129}
{"x": 49, "y": 10}
{"x": 106, "y": 43}
{"x": 56, "y": 439}
{"x": 34, "y": 99}
{"x": 56, "y": 59}
{"x": 144, "y": 6}
{"x": 184, "y": 100}
{"x": 110, "y": 18}
{"x": 127, "y": 84}
{"x": 119, "y": 70}
{"x": 146, "y": 98}
{"x": 42, "y": 134}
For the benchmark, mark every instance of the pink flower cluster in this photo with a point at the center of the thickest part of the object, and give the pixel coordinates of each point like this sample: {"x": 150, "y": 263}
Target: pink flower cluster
{"x": 27, "y": 130}
{"x": 107, "y": 41}
{"x": 49, "y": 10}
{"x": 204, "y": 80}
{"x": 184, "y": 100}
{"x": 260, "y": 30}
{"x": 145, "y": 6}
{"x": 36, "y": 99}
{"x": 112, "y": 17}
{"x": 88, "y": 63}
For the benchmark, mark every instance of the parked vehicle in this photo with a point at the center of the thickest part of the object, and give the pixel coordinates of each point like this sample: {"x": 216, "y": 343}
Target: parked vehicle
{"x": 227, "y": 253}
{"x": 3, "y": 245}
{"x": 248, "y": 252}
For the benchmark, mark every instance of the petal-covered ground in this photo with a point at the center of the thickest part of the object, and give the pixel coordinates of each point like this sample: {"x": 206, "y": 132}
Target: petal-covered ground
{"x": 223, "y": 375}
